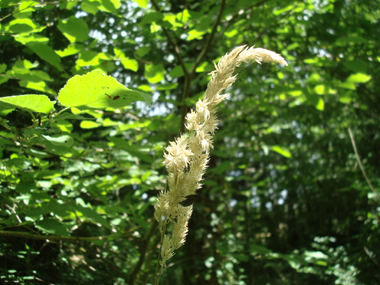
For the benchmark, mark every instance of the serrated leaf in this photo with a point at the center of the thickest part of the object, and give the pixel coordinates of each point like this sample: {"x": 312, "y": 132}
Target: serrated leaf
{"x": 32, "y": 103}
{"x": 98, "y": 91}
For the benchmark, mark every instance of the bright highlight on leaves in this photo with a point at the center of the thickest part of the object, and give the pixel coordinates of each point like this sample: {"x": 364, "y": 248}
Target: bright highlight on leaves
{"x": 281, "y": 150}
{"x": 98, "y": 91}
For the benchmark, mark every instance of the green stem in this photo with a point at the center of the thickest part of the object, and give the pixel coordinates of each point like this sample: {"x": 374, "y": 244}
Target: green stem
{"x": 157, "y": 275}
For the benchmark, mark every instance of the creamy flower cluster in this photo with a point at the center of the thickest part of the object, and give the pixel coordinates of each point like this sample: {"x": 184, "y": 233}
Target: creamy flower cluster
{"x": 186, "y": 158}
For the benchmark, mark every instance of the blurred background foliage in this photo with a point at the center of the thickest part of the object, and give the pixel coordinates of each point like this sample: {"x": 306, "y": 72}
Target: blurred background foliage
{"x": 292, "y": 194}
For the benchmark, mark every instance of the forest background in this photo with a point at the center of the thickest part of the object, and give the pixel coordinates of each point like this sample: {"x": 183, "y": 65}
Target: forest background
{"x": 292, "y": 192}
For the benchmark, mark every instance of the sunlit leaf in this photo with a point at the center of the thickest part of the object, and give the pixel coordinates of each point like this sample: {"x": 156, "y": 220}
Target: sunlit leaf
{"x": 32, "y": 103}
{"x": 97, "y": 90}
{"x": 154, "y": 73}
{"x": 281, "y": 150}
{"x": 359, "y": 78}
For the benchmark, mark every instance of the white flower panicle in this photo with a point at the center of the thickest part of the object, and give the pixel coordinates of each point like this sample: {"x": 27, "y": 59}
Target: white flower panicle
{"x": 186, "y": 158}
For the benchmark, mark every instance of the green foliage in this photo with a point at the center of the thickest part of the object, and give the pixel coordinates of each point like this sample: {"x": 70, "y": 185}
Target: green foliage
{"x": 285, "y": 200}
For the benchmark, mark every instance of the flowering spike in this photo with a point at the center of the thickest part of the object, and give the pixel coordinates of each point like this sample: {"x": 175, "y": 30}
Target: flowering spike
{"x": 186, "y": 159}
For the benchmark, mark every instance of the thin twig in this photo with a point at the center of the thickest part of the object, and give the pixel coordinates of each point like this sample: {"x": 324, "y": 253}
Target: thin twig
{"x": 371, "y": 256}
{"x": 361, "y": 165}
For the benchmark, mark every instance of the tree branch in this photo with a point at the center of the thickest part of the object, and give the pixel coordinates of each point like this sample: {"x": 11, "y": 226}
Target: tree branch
{"x": 57, "y": 238}
{"x": 209, "y": 39}
{"x": 172, "y": 44}
{"x": 206, "y": 47}
{"x": 143, "y": 249}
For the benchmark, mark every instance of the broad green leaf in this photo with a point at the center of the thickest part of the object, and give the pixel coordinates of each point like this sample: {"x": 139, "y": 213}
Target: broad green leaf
{"x": 90, "y": 6}
{"x": 281, "y": 150}
{"x": 128, "y": 63}
{"x": 141, "y": 3}
{"x": 313, "y": 61}
{"x": 171, "y": 19}
{"x": 346, "y": 97}
{"x": 21, "y": 26}
{"x": 52, "y": 226}
{"x": 154, "y": 73}
{"x": 359, "y": 78}
{"x": 39, "y": 86}
{"x": 25, "y": 9}
{"x": 74, "y": 29}
{"x": 314, "y": 78}
{"x": 25, "y": 39}
{"x": 92, "y": 214}
{"x": 343, "y": 41}
{"x": 316, "y": 254}
{"x": 131, "y": 64}
{"x": 293, "y": 262}
{"x": 63, "y": 140}
{"x": 347, "y": 85}
{"x": 295, "y": 93}
{"x": 141, "y": 52}
{"x": 195, "y": 34}
{"x": 98, "y": 91}
{"x": 320, "y": 105}
{"x": 31, "y": 103}
{"x": 323, "y": 89}
{"x": 140, "y": 153}
{"x": 110, "y": 6}
{"x": 183, "y": 16}
{"x": 241, "y": 257}
{"x": 356, "y": 65}
{"x": 205, "y": 67}
{"x": 88, "y": 58}
{"x": 258, "y": 249}
{"x": 3, "y": 79}
{"x": 151, "y": 17}
{"x": 178, "y": 71}
{"x": 46, "y": 53}
{"x": 89, "y": 124}
{"x": 3, "y": 67}
{"x": 70, "y": 50}
{"x": 283, "y": 10}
